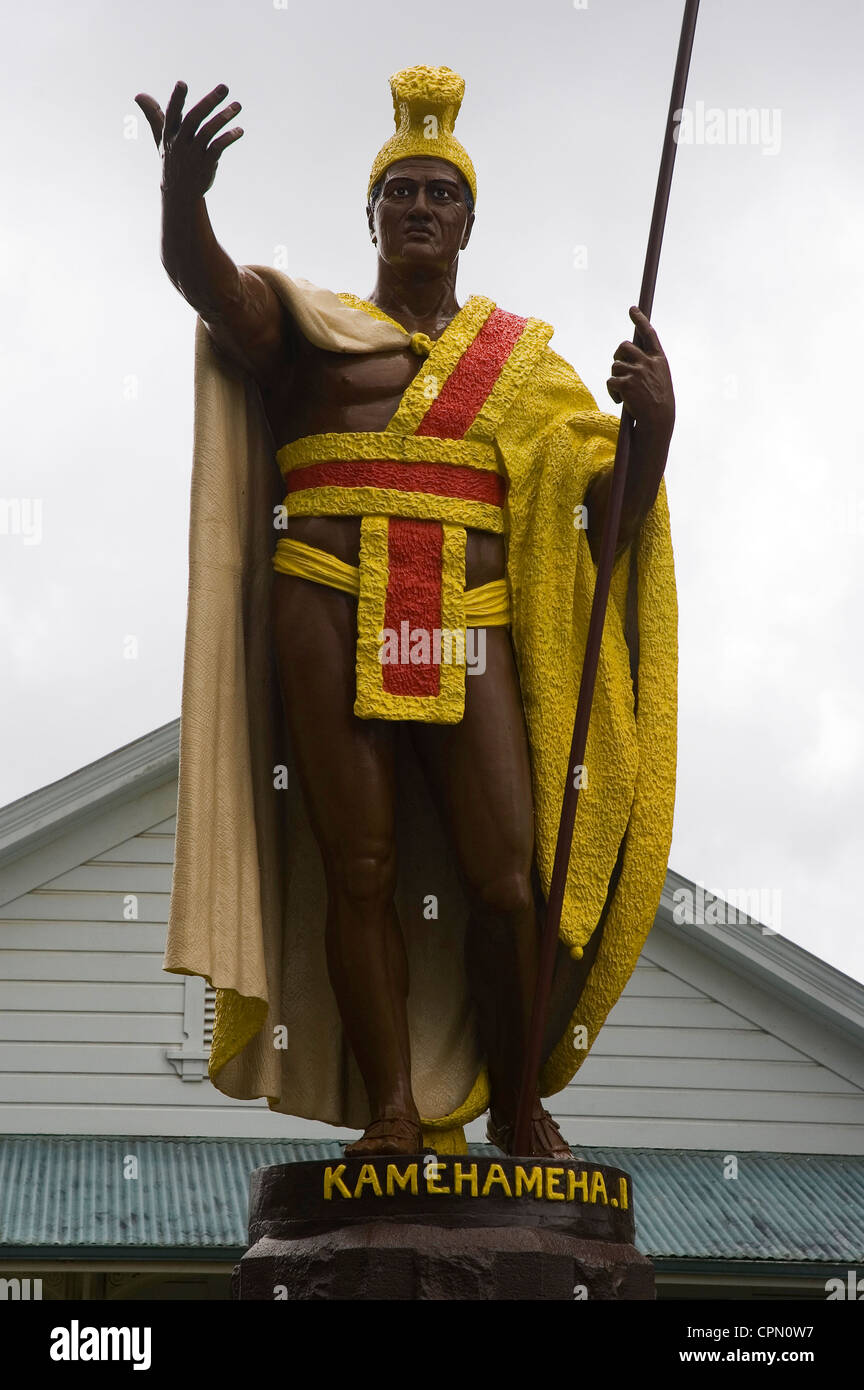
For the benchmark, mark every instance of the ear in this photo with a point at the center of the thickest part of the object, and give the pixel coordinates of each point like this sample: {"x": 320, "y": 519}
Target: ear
{"x": 468, "y": 226}
{"x": 370, "y": 219}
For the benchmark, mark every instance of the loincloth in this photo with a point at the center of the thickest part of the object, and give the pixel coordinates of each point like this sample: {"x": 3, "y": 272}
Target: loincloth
{"x": 415, "y": 496}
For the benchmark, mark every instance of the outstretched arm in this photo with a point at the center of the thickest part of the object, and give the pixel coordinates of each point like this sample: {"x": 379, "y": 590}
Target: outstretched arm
{"x": 243, "y": 315}
{"x": 641, "y": 381}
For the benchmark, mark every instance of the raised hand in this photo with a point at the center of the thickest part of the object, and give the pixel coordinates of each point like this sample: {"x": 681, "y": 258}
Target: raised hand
{"x": 190, "y": 154}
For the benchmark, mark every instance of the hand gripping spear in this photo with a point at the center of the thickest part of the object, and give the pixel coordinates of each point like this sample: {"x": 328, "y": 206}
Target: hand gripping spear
{"x": 608, "y": 545}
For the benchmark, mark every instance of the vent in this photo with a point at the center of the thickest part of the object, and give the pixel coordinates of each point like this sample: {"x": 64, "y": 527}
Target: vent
{"x": 209, "y": 1016}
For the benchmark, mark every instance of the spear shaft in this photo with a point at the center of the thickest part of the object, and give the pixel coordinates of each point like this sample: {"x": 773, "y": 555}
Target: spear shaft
{"x": 608, "y": 545}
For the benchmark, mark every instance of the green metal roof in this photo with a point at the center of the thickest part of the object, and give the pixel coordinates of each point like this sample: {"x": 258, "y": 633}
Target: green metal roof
{"x": 60, "y": 1194}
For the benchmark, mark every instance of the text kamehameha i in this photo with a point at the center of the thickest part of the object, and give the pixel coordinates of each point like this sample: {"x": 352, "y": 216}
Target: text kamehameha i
{"x": 443, "y": 1177}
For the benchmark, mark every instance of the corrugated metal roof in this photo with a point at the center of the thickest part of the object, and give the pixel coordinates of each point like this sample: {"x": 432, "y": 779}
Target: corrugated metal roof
{"x": 63, "y": 1193}
{"x": 779, "y": 1207}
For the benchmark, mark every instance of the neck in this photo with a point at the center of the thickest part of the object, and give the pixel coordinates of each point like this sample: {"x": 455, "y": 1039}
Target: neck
{"x": 421, "y": 303}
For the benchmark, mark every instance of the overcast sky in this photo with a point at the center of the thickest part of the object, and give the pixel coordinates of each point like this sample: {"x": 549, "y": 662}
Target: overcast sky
{"x": 758, "y": 301}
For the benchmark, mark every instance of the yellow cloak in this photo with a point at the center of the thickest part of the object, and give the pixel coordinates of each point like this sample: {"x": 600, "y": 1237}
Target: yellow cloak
{"x": 248, "y": 900}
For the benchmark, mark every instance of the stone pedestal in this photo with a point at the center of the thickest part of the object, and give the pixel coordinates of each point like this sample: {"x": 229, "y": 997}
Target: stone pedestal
{"x": 421, "y": 1227}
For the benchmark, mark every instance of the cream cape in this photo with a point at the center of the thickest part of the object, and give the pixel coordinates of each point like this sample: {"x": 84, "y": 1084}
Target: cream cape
{"x": 248, "y": 898}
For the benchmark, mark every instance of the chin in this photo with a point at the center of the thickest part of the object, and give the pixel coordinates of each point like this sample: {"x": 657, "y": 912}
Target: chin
{"x": 421, "y": 253}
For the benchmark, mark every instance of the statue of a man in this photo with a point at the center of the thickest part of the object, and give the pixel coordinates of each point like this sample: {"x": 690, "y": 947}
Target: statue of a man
{"x": 444, "y": 481}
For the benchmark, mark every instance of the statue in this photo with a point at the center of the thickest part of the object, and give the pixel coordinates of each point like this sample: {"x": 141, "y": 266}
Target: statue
{"x": 382, "y": 657}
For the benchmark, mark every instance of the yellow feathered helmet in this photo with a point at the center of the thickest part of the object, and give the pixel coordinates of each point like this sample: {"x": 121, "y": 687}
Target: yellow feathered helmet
{"x": 426, "y": 103}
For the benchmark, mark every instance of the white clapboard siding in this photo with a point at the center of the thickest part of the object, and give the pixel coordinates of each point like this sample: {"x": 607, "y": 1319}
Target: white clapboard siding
{"x": 54, "y": 905}
{"x": 86, "y": 966}
{"x": 688, "y": 1059}
{"x": 620, "y": 1041}
{"x": 116, "y": 1089}
{"x": 86, "y": 1029}
{"x": 218, "y": 1119}
{"x": 104, "y": 877}
{"x": 83, "y": 936}
{"x": 649, "y": 982}
{"x": 698, "y": 1073}
{"x": 144, "y": 849}
{"x": 652, "y": 1011}
{"x": 90, "y": 1058}
{"x": 95, "y": 1038}
{"x": 116, "y": 997}
{"x": 732, "y": 1104}
{"x": 88, "y": 1016}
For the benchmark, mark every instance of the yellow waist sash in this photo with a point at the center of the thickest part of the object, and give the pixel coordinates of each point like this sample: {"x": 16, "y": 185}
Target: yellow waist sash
{"x": 487, "y": 605}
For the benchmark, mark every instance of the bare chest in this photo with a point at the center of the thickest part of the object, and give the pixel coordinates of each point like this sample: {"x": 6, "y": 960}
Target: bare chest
{"x": 329, "y": 392}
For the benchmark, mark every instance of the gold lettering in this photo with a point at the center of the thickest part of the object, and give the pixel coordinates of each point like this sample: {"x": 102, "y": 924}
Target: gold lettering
{"x": 496, "y": 1174}
{"x": 531, "y": 1183}
{"x": 553, "y": 1193}
{"x": 395, "y": 1179}
{"x": 434, "y": 1176}
{"x": 622, "y": 1194}
{"x": 367, "y": 1178}
{"x": 573, "y": 1182}
{"x": 459, "y": 1176}
{"x": 333, "y": 1178}
{"x": 598, "y": 1186}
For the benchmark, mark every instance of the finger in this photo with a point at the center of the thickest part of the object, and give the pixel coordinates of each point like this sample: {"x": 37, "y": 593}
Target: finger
{"x": 195, "y": 115}
{"x": 153, "y": 111}
{"x": 613, "y": 387}
{"x": 622, "y": 369}
{"x": 224, "y": 141}
{"x": 174, "y": 111}
{"x": 628, "y": 352}
{"x": 646, "y": 332}
{"x": 206, "y": 133}
{"x": 621, "y": 377}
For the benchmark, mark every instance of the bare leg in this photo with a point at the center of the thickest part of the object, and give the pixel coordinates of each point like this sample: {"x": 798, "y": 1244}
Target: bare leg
{"x": 346, "y": 767}
{"x": 480, "y": 774}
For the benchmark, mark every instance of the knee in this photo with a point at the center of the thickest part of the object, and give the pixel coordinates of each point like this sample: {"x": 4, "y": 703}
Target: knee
{"x": 505, "y": 899}
{"x": 363, "y": 878}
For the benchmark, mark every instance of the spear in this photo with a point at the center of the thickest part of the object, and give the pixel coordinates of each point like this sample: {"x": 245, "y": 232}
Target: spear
{"x": 549, "y": 940}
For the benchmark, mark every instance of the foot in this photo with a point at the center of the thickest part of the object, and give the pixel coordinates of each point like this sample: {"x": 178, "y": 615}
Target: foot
{"x": 398, "y": 1134}
{"x": 547, "y": 1141}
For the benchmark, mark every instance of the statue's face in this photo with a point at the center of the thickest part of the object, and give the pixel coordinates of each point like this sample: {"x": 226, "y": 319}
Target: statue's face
{"x": 421, "y": 219}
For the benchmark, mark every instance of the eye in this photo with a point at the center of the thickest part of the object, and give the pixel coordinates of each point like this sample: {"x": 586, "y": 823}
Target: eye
{"x": 443, "y": 193}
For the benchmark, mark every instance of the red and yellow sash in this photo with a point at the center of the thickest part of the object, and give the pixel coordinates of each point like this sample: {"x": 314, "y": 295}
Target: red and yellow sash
{"x": 417, "y": 485}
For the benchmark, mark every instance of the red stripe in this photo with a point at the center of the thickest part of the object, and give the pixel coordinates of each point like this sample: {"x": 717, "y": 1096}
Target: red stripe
{"x": 436, "y": 479}
{"x": 413, "y": 597}
{"x": 469, "y": 384}
{"x": 415, "y": 547}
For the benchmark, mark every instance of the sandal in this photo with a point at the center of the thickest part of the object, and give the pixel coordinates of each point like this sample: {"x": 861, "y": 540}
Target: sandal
{"x": 383, "y": 1137}
{"x": 503, "y": 1135}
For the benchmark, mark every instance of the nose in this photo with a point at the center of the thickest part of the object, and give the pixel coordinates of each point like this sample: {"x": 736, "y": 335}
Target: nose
{"x": 420, "y": 206}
